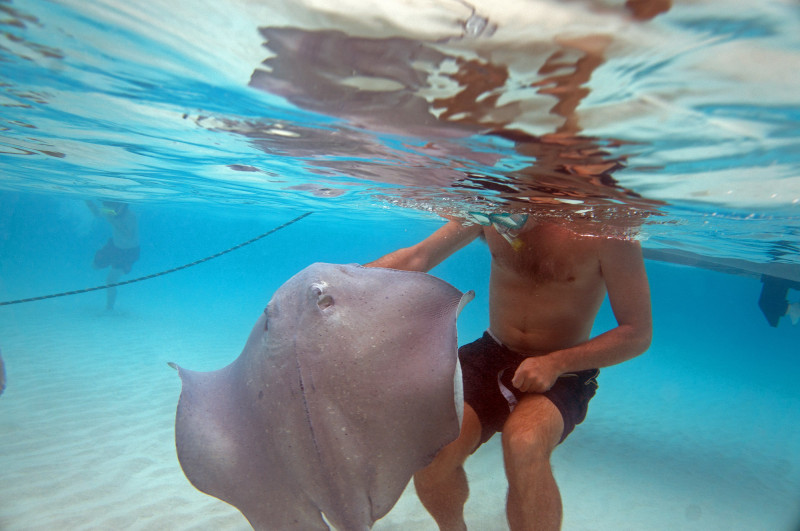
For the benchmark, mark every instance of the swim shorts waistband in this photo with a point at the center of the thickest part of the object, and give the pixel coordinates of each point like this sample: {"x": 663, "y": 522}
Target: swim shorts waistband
{"x": 529, "y": 354}
{"x": 489, "y": 331}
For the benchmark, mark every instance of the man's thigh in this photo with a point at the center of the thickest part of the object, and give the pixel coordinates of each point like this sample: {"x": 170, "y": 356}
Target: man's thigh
{"x": 535, "y": 424}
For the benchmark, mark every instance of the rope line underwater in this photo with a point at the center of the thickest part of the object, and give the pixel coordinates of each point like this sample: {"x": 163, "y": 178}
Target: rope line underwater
{"x": 161, "y": 273}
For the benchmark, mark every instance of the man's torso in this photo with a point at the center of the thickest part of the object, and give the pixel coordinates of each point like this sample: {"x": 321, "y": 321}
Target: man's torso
{"x": 545, "y": 294}
{"x": 125, "y": 230}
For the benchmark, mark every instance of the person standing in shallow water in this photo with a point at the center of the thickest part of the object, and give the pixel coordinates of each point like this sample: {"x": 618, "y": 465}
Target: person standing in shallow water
{"x": 122, "y": 249}
{"x": 533, "y": 372}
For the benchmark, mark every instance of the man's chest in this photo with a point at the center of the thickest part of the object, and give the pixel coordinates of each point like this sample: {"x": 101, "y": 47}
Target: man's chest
{"x": 547, "y": 254}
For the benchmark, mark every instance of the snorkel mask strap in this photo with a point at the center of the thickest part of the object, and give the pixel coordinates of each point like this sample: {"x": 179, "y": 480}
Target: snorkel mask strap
{"x": 507, "y": 225}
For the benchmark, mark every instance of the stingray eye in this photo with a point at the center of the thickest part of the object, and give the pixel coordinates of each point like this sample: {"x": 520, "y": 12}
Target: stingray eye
{"x": 266, "y": 318}
{"x": 323, "y": 299}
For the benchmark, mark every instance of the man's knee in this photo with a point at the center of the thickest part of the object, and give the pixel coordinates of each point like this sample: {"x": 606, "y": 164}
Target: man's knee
{"x": 526, "y": 445}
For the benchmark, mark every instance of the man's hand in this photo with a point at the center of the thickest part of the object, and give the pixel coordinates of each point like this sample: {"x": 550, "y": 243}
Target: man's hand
{"x": 535, "y": 375}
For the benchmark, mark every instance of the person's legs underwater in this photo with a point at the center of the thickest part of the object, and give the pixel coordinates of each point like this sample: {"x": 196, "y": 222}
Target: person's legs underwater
{"x": 442, "y": 486}
{"x": 113, "y": 277}
{"x": 530, "y": 435}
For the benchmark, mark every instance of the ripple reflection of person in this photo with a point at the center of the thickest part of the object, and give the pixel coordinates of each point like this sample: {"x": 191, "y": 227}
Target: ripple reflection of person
{"x": 122, "y": 249}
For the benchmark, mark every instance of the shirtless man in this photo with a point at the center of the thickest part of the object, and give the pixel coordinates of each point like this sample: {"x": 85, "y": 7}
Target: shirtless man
{"x": 546, "y": 287}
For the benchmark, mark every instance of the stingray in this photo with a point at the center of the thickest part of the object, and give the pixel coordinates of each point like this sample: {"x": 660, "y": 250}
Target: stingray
{"x": 348, "y": 383}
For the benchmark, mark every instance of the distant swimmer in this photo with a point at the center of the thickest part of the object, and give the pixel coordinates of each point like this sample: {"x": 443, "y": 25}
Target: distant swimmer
{"x": 122, "y": 249}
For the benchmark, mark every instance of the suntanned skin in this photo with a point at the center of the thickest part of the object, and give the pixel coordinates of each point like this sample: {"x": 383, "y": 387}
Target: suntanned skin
{"x": 544, "y": 297}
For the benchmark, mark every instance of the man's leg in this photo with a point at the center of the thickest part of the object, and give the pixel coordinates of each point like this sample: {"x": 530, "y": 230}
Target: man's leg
{"x": 529, "y": 436}
{"x": 111, "y": 293}
{"x": 442, "y": 486}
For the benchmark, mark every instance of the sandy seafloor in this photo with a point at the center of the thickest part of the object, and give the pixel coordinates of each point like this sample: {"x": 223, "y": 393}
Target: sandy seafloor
{"x": 700, "y": 433}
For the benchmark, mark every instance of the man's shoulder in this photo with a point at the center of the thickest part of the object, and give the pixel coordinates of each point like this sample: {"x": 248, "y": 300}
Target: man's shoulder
{"x": 621, "y": 255}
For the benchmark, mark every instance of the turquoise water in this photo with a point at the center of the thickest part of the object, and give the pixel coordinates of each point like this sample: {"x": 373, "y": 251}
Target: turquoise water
{"x": 356, "y": 121}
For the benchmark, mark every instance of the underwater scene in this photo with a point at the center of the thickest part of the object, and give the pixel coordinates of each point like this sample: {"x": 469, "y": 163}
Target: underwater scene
{"x": 188, "y": 191}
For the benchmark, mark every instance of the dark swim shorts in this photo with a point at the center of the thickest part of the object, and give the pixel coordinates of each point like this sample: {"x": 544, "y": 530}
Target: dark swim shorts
{"x": 113, "y": 256}
{"x": 486, "y": 364}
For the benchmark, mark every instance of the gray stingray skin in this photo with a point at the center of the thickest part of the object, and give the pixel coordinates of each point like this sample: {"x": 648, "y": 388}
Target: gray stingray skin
{"x": 348, "y": 384}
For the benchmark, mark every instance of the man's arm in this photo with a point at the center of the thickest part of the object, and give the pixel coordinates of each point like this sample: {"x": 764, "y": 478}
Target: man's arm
{"x": 431, "y": 251}
{"x": 629, "y": 294}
